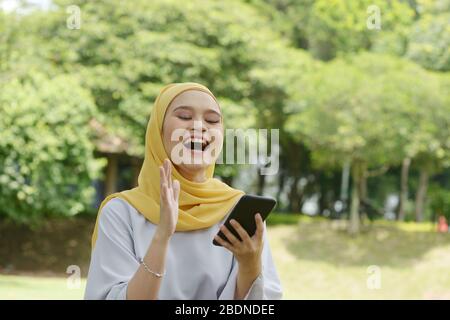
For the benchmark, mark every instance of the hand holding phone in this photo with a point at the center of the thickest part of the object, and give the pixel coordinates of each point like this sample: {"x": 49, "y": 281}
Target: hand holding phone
{"x": 244, "y": 212}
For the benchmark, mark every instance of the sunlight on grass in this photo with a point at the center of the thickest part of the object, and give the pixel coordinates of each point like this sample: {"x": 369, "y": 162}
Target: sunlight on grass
{"x": 316, "y": 262}
{"x": 26, "y": 287}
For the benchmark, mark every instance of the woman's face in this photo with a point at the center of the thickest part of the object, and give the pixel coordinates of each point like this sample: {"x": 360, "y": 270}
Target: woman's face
{"x": 193, "y": 131}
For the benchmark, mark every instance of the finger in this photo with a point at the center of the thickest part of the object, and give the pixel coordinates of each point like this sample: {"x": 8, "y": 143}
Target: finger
{"x": 162, "y": 192}
{"x": 224, "y": 243}
{"x": 167, "y": 162}
{"x": 161, "y": 177}
{"x": 163, "y": 166}
{"x": 176, "y": 190}
{"x": 166, "y": 169}
{"x": 165, "y": 192}
{"x": 229, "y": 235}
{"x": 259, "y": 226}
{"x": 169, "y": 174}
{"x": 240, "y": 230}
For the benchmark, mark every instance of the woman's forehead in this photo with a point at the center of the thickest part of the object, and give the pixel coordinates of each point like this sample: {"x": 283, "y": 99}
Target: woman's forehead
{"x": 195, "y": 99}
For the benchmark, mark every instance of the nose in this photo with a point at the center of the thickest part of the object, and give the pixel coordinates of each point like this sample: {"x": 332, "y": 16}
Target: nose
{"x": 198, "y": 126}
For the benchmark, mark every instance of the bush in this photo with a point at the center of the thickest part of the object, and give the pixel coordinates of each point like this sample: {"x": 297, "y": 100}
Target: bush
{"x": 46, "y": 156}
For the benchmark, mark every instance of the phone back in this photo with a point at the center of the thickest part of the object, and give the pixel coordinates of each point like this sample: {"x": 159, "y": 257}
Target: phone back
{"x": 244, "y": 212}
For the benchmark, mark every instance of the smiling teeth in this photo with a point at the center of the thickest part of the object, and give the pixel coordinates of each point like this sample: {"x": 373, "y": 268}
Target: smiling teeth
{"x": 196, "y": 144}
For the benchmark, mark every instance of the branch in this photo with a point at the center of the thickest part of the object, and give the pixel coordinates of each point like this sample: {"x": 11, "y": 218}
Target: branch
{"x": 377, "y": 172}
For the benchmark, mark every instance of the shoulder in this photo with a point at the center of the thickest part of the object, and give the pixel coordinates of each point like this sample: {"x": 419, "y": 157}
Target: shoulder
{"x": 114, "y": 226}
{"x": 116, "y": 204}
{"x": 116, "y": 212}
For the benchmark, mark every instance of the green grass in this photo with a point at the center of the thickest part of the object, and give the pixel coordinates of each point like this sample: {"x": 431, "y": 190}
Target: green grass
{"x": 27, "y": 287}
{"x": 316, "y": 259}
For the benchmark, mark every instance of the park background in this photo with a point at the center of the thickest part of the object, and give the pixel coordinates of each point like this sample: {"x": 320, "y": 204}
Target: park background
{"x": 359, "y": 90}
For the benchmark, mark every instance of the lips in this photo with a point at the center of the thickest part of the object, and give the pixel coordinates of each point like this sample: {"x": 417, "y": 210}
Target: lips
{"x": 196, "y": 144}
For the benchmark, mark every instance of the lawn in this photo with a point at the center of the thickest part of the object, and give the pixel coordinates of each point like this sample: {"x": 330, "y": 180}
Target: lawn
{"x": 316, "y": 259}
{"x": 27, "y": 287}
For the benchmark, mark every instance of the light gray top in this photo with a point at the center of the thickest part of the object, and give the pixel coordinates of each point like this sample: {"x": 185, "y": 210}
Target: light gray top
{"x": 195, "y": 268}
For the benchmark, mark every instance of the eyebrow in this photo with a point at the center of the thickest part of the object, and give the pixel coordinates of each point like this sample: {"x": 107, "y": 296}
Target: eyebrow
{"x": 190, "y": 108}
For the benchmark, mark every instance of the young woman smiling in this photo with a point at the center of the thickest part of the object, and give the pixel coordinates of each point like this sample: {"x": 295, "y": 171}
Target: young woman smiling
{"x": 155, "y": 241}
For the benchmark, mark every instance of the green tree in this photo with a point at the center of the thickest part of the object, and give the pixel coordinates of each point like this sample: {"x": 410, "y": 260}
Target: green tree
{"x": 46, "y": 156}
{"x": 363, "y": 110}
{"x": 429, "y": 40}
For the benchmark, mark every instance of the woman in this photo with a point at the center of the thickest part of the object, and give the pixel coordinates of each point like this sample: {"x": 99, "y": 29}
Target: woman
{"x": 155, "y": 241}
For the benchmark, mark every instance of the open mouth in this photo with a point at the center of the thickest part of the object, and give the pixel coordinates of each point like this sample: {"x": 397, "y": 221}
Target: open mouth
{"x": 197, "y": 144}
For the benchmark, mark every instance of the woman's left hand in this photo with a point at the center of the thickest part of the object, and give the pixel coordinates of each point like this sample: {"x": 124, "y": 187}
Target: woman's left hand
{"x": 248, "y": 251}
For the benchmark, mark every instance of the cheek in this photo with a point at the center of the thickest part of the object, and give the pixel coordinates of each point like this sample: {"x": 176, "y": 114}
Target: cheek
{"x": 220, "y": 135}
{"x": 166, "y": 142}
{"x": 167, "y": 138}
{"x": 219, "y": 140}
{"x": 170, "y": 127}
{"x": 218, "y": 144}
{"x": 174, "y": 129}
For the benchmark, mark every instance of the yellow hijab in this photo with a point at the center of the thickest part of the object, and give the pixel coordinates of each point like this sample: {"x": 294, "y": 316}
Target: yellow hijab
{"x": 201, "y": 204}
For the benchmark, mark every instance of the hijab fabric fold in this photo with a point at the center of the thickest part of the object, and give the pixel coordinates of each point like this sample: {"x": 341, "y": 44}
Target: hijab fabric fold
{"x": 201, "y": 204}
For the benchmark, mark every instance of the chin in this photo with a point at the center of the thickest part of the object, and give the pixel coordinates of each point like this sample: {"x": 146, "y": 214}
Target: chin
{"x": 195, "y": 167}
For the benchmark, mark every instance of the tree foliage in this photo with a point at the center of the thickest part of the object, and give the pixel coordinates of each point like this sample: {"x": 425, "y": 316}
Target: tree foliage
{"x": 45, "y": 147}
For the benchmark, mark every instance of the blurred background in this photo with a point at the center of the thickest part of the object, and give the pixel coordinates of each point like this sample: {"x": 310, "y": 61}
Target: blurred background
{"x": 359, "y": 90}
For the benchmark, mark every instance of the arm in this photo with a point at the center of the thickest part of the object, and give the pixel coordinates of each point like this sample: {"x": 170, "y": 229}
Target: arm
{"x": 115, "y": 272}
{"x": 247, "y": 252}
{"x": 245, "y": 279}
{"x": 266, "y": 286}
{"x": 145, "y": 285}
{"x": 113, "y": 260}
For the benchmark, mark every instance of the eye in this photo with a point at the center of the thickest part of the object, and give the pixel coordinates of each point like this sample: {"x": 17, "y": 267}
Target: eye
{"x": 184, "y": 117}
{"x": 212, "y": 119}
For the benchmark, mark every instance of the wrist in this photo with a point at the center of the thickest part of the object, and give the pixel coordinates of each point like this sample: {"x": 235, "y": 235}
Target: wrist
{"x": 253, "y": 269}
{"x": 161, "y": 236}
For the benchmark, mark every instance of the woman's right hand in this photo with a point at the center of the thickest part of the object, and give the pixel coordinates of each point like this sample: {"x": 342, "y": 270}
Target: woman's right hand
{"x": 169, "y": 192}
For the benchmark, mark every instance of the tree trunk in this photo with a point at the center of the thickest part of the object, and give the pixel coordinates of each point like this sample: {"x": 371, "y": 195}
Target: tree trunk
{"x": 403, "y": 188}
{"x": 322, "y": 203}
{"x": 345, "y": 181}
{"x": 421, "y": 194}
{"x": 111, "y": 174}
{"x": 363, "y": 185}
{"x": 294, "y": 199}
{"x": 281, "y": 179}
{"x": 353, "y": 226}
{"x": 261, "y": 183}
{"x": 363, "y": 193}
{"x": 136, "y": 167}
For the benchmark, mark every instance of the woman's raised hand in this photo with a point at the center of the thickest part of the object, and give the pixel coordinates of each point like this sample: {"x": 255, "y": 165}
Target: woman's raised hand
{"x": 169, "y": 191}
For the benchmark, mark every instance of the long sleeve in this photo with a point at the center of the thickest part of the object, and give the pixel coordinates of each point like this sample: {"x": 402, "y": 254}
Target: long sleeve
{"x": 266, "y": 287}
{"x": 113, "y": 261}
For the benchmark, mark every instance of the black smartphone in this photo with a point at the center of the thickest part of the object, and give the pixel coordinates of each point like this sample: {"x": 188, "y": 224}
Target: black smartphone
{"x": 244, "y": 212}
